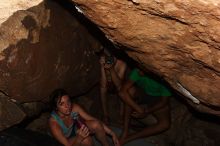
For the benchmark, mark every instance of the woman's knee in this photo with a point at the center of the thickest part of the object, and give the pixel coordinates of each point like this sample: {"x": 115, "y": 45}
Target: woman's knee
{"x": 87, "y": 142}
{"x": 96, "y": 125}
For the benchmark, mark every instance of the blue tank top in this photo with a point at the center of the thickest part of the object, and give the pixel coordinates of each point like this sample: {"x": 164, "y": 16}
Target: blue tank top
{"x": 67, "y": 131}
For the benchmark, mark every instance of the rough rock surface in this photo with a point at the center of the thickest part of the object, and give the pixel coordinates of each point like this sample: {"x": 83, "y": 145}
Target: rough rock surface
{"x": 39, "y": 53}
{"x": 42, "y": 48}
{"x": 8, "y": 7}
{"x": 177, "y": 40}
{"x": 189, "y": 128}
{"x": 10, "y": 112}
{"x": 20, "y": 137}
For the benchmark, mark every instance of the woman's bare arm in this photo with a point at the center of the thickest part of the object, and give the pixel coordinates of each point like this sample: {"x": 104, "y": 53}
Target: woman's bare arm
{"x": 127, "y": 98}
{"x": 119, "y": 74}
{"x": 57, "y": 133}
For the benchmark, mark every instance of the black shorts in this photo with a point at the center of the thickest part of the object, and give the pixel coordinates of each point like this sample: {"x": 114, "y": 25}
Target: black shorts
{"x": 143, "y": 98}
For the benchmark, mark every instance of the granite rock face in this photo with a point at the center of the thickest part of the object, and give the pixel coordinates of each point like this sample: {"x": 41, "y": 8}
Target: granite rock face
{"x": 10, "y": 112}
{"x": 39, "y": 53}
{"x": 8, "y": 7}
{"x": 177, "y": 40}
{"x": 43, "y": 47}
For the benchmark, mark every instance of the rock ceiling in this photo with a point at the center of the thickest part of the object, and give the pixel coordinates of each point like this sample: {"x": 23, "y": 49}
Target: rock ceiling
{"x": 178, "y": 40}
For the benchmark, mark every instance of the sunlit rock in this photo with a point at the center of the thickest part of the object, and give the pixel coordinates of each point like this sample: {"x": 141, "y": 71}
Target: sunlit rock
{"x": 178, "y": 40}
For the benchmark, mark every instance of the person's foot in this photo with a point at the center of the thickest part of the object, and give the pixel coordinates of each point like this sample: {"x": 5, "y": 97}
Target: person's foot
{"x": 123, "y": 138}
{"x": 122, "y": 141}
{"x": 140, "y": 115}
{"x": 136, "y": 125}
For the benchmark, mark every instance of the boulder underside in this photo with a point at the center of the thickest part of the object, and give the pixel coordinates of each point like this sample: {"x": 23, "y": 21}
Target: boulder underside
{"x": 177, "y": 40}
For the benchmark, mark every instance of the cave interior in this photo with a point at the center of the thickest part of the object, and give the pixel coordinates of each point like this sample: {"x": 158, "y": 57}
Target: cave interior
{"x": 61, "y": 50}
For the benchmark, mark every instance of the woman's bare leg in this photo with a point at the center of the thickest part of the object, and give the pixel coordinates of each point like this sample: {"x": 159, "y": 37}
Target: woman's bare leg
{"x": 163, "y": 118}
{"x": 87, "y": 141}
{"x": 98, "y": 129}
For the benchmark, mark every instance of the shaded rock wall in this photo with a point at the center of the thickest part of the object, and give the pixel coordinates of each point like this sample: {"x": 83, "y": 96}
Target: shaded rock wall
{"x": 43, "y": 48}
{"x": 10, "y": 113}
{"x": 52, "y": 49}
{"x": 178, "y": 40}
{"x": 189, "y": 128}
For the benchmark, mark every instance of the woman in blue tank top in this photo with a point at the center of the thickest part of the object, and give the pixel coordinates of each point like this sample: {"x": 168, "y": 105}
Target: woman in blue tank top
{"x": 64, "y": 127}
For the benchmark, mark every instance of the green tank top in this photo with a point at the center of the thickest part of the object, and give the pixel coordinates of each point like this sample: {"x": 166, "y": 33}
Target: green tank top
{"x": 149, "y": 85}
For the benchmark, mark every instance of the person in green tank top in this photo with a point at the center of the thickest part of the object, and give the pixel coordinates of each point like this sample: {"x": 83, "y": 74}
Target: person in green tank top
{"x": 148, "y": 84}
{"x": 154, "y": 95}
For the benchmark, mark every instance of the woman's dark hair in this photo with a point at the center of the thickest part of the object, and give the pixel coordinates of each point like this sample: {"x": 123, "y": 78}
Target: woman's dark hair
{"x": 55, "y": 97}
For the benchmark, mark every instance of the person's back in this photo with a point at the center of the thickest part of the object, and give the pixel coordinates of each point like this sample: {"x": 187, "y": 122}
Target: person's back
{"x": 150, "y": 86}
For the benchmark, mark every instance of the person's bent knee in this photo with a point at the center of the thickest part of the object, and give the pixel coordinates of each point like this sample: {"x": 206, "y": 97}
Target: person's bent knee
{"x": 87, "y": 142}
{"x": 96, "y": 125}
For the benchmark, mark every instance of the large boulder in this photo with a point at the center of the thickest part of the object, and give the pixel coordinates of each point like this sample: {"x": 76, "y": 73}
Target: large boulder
{"x": 177, "y": 40}
{"x": 8, "y": 7}
{"x": 39, "y": 53}
{"x": 43, "y": 46}
{"x": 10, "y": 112}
